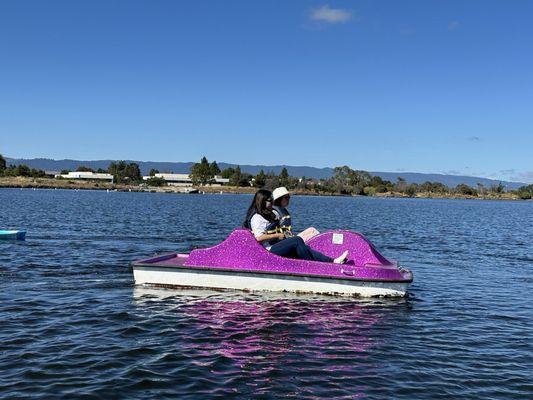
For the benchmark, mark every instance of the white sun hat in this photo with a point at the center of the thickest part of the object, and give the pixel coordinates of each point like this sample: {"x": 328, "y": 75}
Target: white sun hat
{"x": 279, "y": 192}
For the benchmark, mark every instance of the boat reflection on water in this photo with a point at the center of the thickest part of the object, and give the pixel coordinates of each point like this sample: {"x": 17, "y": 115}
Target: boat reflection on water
{"x": 264, "y": 335}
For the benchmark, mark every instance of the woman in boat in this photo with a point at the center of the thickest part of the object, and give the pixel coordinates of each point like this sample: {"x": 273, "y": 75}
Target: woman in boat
{"x": 281, "y": 198}
{"x": 266, "y": 228}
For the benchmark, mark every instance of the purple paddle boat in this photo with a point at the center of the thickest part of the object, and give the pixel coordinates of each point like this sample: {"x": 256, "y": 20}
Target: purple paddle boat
{"x": 241, "y": 263}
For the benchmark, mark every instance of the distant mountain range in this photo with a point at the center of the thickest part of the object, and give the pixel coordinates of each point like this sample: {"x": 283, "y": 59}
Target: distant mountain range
{"x": 299, "y": 171}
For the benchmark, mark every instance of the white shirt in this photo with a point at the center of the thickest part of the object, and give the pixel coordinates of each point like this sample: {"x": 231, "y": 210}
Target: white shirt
{"x": 259, "y": 225}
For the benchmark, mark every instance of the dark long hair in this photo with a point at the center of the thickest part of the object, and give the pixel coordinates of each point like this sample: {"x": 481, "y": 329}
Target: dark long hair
{"x": 258, "y": 206}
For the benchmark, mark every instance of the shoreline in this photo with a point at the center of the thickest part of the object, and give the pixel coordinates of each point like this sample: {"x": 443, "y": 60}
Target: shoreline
{"x": 51, "y": 183}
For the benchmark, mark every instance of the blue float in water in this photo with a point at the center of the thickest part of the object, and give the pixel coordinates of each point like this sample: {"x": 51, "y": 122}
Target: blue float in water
{"x": 13, "y": 235}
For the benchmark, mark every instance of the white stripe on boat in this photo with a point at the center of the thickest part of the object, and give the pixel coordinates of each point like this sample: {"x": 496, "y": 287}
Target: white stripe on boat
{"x": 249, "y": 281}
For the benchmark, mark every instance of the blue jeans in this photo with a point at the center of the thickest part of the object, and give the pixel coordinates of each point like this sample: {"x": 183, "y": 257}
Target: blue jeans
{"x": 295, "y": 247}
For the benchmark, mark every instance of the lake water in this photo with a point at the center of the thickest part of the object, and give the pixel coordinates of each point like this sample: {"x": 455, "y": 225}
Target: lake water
{"x": 73, "y": 325}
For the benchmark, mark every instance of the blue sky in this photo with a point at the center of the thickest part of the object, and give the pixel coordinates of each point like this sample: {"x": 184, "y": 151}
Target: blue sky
{"x": 421, "y": 86}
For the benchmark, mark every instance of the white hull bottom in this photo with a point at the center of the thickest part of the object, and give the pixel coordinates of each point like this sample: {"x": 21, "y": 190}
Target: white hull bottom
{"x": 177, "y": 277}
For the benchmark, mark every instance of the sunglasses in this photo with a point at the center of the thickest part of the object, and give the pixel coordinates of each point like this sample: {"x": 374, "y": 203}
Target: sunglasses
{"x": 270, "y": 200}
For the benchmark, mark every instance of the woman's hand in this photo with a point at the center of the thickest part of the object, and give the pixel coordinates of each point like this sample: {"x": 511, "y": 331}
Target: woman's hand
{"x": 280, "y": 236}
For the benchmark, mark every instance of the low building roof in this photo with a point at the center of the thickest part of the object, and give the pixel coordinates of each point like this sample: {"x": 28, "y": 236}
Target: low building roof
{"x": 86, "y": 175}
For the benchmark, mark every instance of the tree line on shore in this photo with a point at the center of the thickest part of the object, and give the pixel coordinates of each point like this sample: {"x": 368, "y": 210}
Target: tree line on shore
{"x": 345, "y": 181}
{"x": 19, "y": 170}
{"x": 122, "y": 172}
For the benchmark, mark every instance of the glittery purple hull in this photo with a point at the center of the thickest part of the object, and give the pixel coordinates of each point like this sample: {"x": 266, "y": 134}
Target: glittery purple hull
{"x": 241, "y": 252}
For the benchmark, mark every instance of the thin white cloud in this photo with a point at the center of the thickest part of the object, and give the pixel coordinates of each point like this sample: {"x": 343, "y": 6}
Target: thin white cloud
{"x": 406, "y": 30}
{"x": 508, "y": 171}
{"x": 526, "y": 177}
{"x": 453, "y": 25}
{"x": 511, "y": 175}
{"x": 451, "y": 172}
{"x": 330, "y": 15}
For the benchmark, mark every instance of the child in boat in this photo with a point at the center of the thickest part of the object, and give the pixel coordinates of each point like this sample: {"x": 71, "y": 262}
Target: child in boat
{"x": 281, "y": 198}
{"x": 262, "y": 221}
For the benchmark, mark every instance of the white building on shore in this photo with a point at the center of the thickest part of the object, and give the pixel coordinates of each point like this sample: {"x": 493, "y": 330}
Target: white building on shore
{"x": 86, "y": 176}
{"x": 184, "y": 179}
